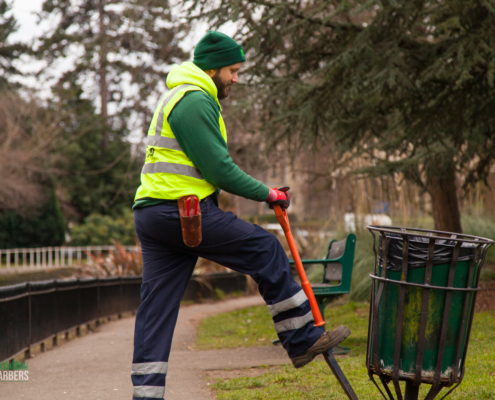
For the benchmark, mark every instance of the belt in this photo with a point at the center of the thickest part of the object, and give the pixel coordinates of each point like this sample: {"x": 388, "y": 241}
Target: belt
{"x": 171, "y": 202}
{"x": 174, "y": 202}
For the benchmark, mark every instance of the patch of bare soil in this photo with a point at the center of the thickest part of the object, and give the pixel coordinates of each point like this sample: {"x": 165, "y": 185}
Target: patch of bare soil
{"x": 485, "y": 300}
{"x": 215, "y": 374}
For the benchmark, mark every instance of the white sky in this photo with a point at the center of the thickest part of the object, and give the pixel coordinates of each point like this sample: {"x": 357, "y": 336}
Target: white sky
{"x": 23, "y": 11}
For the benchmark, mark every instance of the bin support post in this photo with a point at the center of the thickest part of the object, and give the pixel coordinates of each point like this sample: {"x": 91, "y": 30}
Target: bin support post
{"x": 412, "y": 391}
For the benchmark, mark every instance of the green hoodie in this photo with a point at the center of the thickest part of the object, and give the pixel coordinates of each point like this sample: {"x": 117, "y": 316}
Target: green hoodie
{"x": 195, "y": 124}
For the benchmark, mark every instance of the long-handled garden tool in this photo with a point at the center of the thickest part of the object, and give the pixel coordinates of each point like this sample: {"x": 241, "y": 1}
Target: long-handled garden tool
{"x": 283, "y": 220}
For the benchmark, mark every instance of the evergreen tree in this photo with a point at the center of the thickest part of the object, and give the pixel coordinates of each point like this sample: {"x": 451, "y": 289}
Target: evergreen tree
{"x": 94, "y": 179}
{"x": 408, "y": 84}
{"x": 123, "y": 46}
{"x": 42, "y": 226}
{"x": 8, "y": 51}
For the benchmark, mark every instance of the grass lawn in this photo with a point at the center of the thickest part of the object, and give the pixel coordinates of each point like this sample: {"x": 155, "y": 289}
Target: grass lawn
{"x": 253, "y": 327}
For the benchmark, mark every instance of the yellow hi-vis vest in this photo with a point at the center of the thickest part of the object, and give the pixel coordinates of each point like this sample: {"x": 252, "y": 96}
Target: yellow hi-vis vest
{"x": 167, "y": 172}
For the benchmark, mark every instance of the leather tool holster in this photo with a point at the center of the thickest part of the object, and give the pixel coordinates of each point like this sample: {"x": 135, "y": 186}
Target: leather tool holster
{"x": 190, "y": 220}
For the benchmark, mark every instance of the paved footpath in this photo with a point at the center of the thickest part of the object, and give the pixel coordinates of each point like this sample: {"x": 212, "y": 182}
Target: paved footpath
{"x": 97, "y": 366}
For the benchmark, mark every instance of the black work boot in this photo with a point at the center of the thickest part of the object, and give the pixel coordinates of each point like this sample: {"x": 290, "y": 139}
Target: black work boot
{"x": 326, "y": 342}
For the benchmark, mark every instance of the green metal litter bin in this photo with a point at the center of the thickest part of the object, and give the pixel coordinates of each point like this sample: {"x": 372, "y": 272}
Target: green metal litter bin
{"x": 424, "y": 290}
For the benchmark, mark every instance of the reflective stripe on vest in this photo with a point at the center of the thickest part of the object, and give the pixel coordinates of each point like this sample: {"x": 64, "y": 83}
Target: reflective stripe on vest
{"x": 159, "y": 121}
{"x": 162, "y": 141}
{"x": 170, "y": 168}
{"x": 168, "y": 173}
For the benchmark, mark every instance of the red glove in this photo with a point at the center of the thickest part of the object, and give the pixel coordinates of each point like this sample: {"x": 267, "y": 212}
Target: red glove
{"x": 279, "y": 196}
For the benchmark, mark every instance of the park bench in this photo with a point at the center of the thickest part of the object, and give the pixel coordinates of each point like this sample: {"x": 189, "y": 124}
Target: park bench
{"x": 337, "y": 274}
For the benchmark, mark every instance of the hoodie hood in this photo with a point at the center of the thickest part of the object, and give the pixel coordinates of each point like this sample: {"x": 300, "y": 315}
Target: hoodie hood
{"x": 189, "y": 73}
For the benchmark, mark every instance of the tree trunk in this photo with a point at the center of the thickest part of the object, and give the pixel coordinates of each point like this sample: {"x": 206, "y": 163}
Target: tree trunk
{"x": 103, "y": 75}
{"x": 445, "y": 201}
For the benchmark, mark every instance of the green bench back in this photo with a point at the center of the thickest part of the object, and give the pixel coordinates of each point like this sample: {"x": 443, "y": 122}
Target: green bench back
{"x": 337, "y": 273}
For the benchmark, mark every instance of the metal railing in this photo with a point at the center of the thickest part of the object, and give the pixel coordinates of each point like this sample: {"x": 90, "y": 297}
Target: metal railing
{"x": 29, "y": 259}
{"x": 32, "y": 313}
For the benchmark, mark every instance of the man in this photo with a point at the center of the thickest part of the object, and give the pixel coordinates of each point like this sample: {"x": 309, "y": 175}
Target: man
{"x": 187, "y": 155}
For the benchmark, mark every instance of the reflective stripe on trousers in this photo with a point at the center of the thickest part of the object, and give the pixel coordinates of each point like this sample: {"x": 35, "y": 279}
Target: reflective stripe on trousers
{"x": 293, "y": 323}
{"x": 153, "y": 392}
{"x": 292, "y": 302}
{"x": 149, "y": 368}
{"x": 148, "y": 379}
{"x": 285, "y": 305}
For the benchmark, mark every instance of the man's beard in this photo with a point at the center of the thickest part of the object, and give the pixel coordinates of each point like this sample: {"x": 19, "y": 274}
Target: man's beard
{"x": 222, "y": 87}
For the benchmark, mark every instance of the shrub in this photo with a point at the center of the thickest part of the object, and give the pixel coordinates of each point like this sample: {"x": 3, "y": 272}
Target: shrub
{"x": 98, "y": 230}
{"x": 118, "y": 262}
{"x": 42, "y": 227}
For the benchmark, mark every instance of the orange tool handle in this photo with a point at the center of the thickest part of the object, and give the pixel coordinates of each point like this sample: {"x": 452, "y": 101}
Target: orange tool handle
{"x": 283, "y": 220}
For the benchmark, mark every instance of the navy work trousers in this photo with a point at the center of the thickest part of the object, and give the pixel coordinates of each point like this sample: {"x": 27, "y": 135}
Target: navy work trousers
{"x": 168, "y": 266}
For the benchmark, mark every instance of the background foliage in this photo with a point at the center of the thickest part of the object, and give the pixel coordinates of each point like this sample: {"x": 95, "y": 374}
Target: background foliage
{"x": 107, "y": 62}
{"x": 40, "y": 227}
{"x": 95, "y": 179}
{"x": 397, "y": 88}
{"x": 97, "y": 230}
{"x": 409, "y": 85}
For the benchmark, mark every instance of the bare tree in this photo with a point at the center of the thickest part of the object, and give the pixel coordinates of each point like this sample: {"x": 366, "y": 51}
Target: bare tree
{"x": 28, "y": 136}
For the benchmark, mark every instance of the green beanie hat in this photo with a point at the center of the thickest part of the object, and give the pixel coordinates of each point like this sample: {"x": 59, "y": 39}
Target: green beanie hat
{"x": 216, "y": 50}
